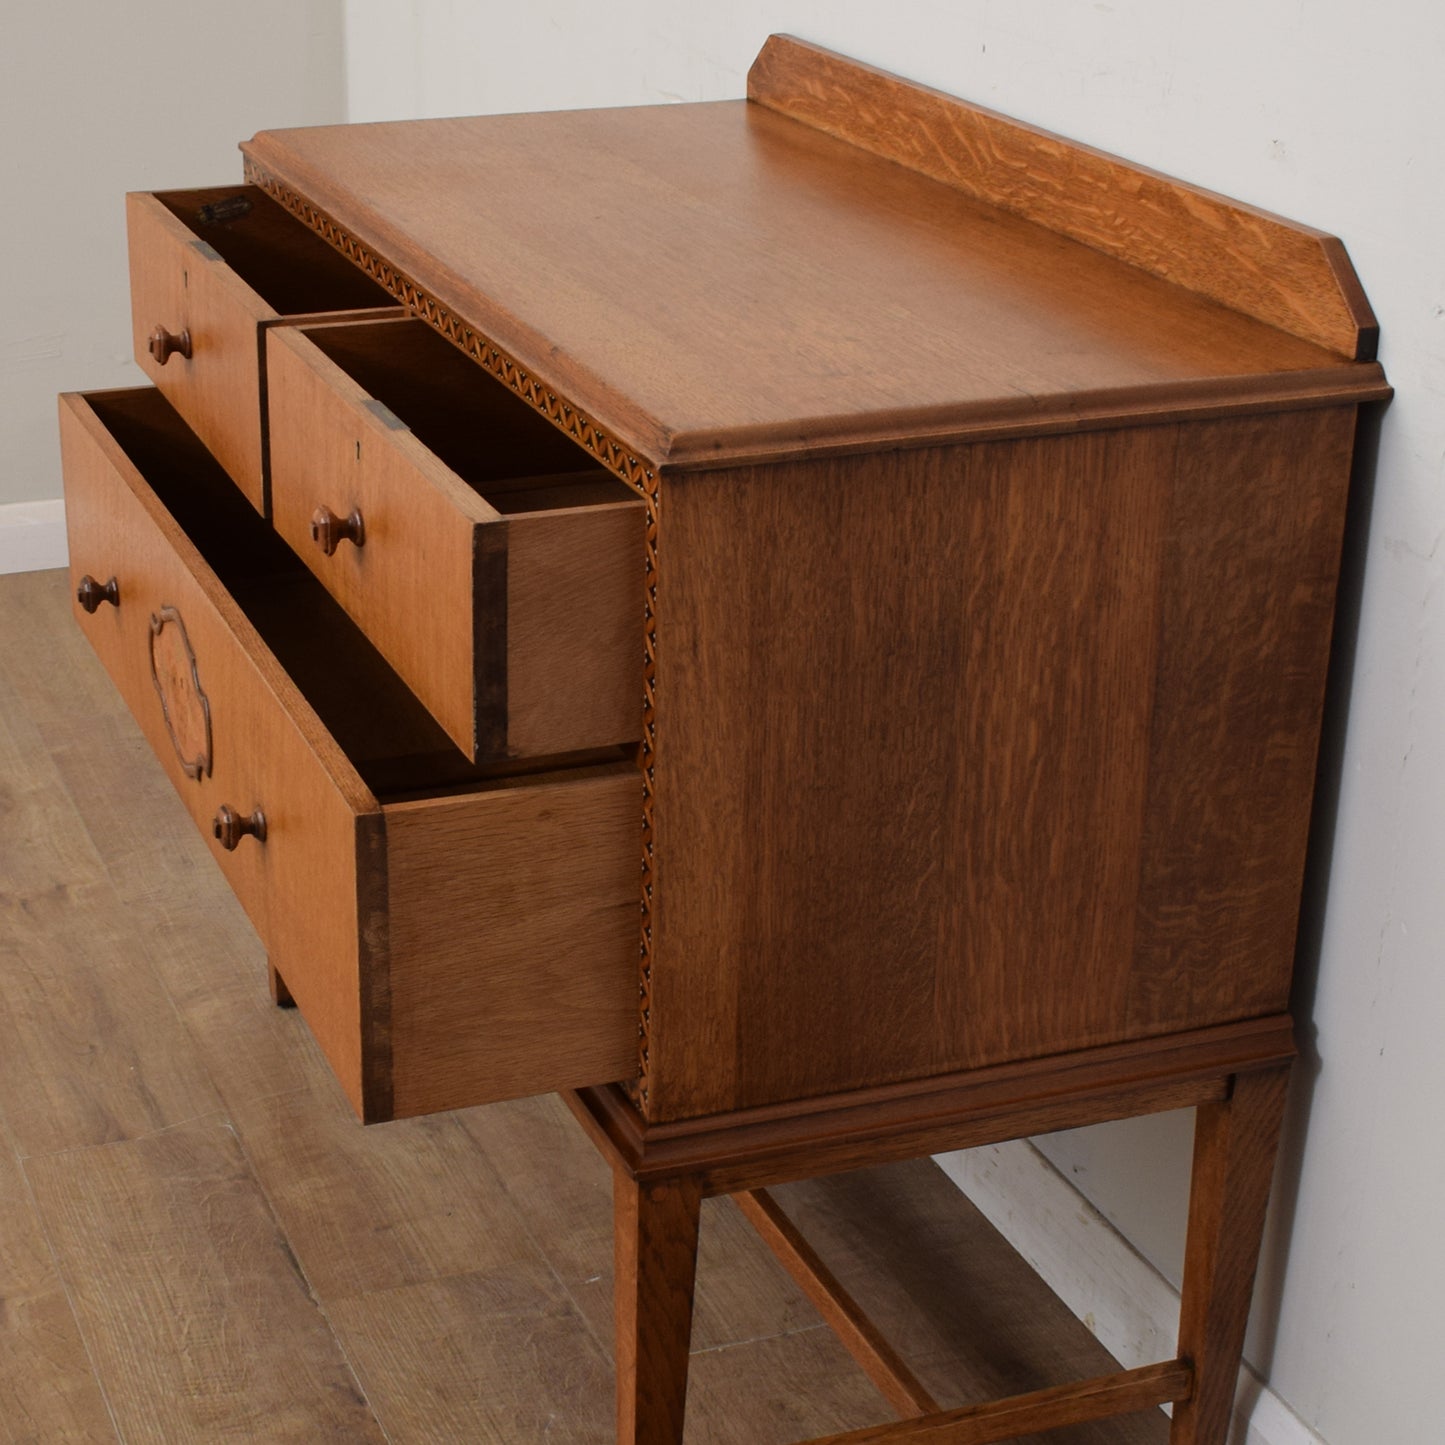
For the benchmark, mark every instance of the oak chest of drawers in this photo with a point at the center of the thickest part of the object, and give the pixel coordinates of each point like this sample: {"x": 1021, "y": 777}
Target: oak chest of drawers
{"x": 803, "y": 622}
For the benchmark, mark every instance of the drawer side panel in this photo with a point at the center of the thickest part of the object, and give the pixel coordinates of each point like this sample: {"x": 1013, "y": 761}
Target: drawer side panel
{"x": 514, "y": 940}
{"x": 574, "y": 628}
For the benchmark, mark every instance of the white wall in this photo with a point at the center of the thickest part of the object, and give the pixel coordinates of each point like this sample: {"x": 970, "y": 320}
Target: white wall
{"x": 1328, "y": 112}
{"x": 97, "y": 98}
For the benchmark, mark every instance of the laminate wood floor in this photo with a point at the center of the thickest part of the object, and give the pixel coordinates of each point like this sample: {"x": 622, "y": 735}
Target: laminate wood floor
{"x": 198, "y": 1241}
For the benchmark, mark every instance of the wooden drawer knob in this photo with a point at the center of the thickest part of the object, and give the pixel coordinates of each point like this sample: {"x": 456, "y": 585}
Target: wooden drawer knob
{"x": 90, "y": 594}
{"x": 328, "y": 530}
{"x": 164, "y": 344}
{"x": 231, "y": 826}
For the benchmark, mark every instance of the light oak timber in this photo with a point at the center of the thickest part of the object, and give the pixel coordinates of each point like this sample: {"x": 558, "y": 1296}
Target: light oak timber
{"x": 63, "y": 1088}
{"x": 301, "y": 887}
{"x": 984, "y": 1424}
{"x": 795, "y": 1386}
{"x": 252, "y": 1050}
{"x": 513, "y": 929}
{"x": 1292, "y": 276}
{"x": 933, "y": 311}
{"x": 347, "y": 894}
{"x": 522, "y": 633}
{"x": 1090, "y": 728}
{"x": 858, "y": 1334}
{"x": 922, "y": 1264}
{"x": 656, "y": 1225}
{"x": 1235, "y": 1143}
{"x": 196, "y": 1316}
{"x": 758, "y": 1147}
{"x": 225, "y": 282}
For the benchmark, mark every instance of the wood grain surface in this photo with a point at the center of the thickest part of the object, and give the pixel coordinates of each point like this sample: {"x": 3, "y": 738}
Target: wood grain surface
{"x": 729, "y": 332}
{"x": 196, "y": 1326}
{"x": 922, "y": 1275}
{"x": 856, "y": 1332}
{"x": 413, "y": 584}
{"x": 226, "y": 281}
{"x": 1289, "y": 275}
{"x": 986, "y": 752}
{"x": 654, "y": 1264}
{"x": 47, "y": 1386}
{"x": 567, "y": 1194}
{"x": 364, "y": 911}
{"x": 1099, "y": 1399}
{"x": 522, "y": 636}
{"x": 176, "y": 283}
{"x": 408, "y": 1223}
{"x": 1235, "y": 1142}
{"x": 302, "y": 886}
{"x": 513, "y": 938}
{"x": 755, "y": 1148}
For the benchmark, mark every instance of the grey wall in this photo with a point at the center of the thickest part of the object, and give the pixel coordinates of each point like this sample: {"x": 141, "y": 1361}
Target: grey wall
{"x": 98, "y": 98}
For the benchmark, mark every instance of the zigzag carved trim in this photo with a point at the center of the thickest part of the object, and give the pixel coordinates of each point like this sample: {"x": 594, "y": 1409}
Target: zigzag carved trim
{"x": 636, "y": 471}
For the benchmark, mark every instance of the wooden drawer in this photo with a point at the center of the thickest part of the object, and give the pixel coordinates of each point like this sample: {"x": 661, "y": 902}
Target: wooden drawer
{"x": 490, "y": 560}
{"x": 212, "y": 270}
{"x": 447, "y": 946}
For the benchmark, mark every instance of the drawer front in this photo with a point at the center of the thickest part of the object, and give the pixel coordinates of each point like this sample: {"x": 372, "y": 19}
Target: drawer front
{"x": 180, "y": 286}
{"x": 491, "y": 934}
{"x": 208, "y": 314}
{"x": 517, "y": 624}
{"x": 231, "y": 733}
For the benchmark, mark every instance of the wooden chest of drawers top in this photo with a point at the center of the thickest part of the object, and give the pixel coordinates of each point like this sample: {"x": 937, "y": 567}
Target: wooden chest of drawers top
{"x": 755, "y": 279}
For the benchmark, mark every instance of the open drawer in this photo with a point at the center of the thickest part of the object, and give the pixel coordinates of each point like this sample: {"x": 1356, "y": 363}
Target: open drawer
{"x": 210, "y": 271}
{"x": 494, "y": 564}
{"x": 447, "y": 945}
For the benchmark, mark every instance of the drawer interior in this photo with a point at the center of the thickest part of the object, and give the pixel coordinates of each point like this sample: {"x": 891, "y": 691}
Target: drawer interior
{"x": 506, "y": 452}
{"x": 394, "y": 743}
{"x": 290, "y": 267}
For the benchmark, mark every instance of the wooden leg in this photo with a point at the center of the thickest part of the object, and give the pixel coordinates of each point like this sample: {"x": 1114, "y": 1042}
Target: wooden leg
{"x": 656, "y": 1252}
{"x": 280, "y": 994}
{"x": 1234, "y": 1149}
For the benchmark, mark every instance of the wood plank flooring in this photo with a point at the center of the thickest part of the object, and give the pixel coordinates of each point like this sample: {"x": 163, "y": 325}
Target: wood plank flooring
{"x": 199, "y": 1243}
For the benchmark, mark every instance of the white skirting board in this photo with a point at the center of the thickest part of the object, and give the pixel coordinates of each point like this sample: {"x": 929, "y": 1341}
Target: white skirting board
{"x": 1128, "y": 1305}
{"x": 32, "y": 536}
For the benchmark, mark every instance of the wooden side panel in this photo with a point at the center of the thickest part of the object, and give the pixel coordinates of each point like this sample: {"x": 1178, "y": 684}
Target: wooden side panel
{"x": 574, "y": 628}
{"x": 268, "y": 750}
{"x": 179, "y": 282}
{"x": 900, "y": 763}
{"x": 409, "y": 586}
{"x": 1251, "y": 563}
{"x": 1263, "y": 265}
{"x": 513, "y": 940}
{"x": 983, "y": 753}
